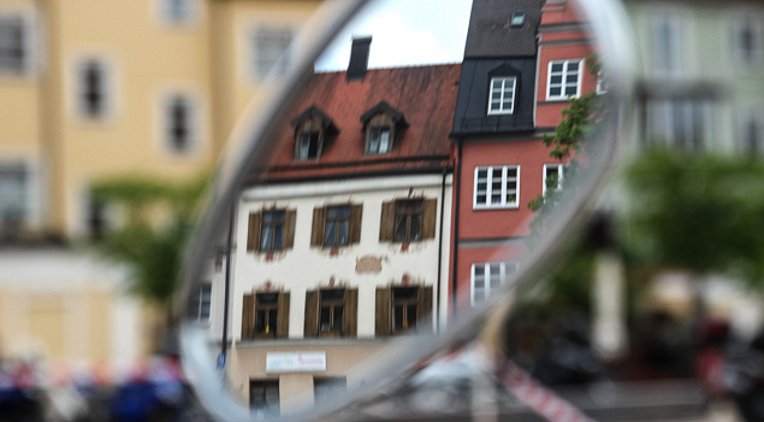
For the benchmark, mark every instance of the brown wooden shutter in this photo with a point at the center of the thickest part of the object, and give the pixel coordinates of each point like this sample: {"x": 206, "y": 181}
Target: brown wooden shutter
{"x": 429, "y": 216}
{"x": 319, "y": 221}
{"x": 387, "y": 222}
{"x": 351, "y": 313}
{"x": 355, "y": 223}
{"x": 282, "y": 315}
{"x": 311, "y": 314}
{"x": 248, "y": 316}
{"x": 289, "y": 222}
{"x": 424, "y": 309}
{"x": 253, "y": 233}
{"x": 382, "y": 310}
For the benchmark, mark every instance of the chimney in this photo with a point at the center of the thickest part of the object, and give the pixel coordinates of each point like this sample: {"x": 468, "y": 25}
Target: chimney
{"x": 359, "y": 58}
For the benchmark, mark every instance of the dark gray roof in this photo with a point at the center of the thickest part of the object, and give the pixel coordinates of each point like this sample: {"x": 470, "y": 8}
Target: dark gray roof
{"x": 490, "y": 33}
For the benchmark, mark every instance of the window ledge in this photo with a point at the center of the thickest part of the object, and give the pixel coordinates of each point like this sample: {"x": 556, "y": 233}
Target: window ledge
{"x": 557, "y": 100}
{"x": 309, "y": 342}
{"x": 496, "y": 207}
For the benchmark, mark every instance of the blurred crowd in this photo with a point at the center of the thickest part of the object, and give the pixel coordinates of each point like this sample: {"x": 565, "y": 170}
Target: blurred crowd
{"x": 152, "y": 389}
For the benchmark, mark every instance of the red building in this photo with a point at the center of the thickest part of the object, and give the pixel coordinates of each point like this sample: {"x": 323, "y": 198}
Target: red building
{"x": 523, "y": 61}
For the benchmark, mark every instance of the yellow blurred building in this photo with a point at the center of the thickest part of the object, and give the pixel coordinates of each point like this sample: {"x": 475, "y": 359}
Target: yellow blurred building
{"x": 91, "y": 89}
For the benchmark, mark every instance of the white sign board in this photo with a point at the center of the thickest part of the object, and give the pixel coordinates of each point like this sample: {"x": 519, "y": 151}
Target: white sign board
{"x": 295, "y": 362}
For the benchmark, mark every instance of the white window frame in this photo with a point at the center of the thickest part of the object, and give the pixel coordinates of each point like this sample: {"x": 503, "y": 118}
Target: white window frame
{"x": 662, "y": 124}
{"x": 23, "y": 191}
{"x": 501, "y": 92}
{"x": 504, "y": 180}
{"x": 108, "y": 85}
{"x": 29, "y": 42}
{"x": 563, "y": 85}
{"x": 205, "y": 289}
{"x": 657, "y": 46}
{"x": 739, "y": 20}
{"x": 193, "y": 127}
{"x": 560, "y": 175}
{"x": 278, "y": 64}
{"x": 164, "y": 11}
{"x": 601, "y": 83}
{"x": 506, "y": 268}
{"x": 745, "y": 119}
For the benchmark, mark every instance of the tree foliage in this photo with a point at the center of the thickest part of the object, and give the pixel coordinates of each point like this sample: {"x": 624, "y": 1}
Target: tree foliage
{"x": 151, "y": 247}
{"x": 702, "y": 213}
{"x": 565, "y": 144}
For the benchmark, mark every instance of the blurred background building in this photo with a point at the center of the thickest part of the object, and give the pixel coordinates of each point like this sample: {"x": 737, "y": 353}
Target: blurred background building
{"x": 90, "y": 90}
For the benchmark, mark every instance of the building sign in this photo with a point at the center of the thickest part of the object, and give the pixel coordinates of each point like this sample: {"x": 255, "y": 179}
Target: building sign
{"x": 295, "y": 362}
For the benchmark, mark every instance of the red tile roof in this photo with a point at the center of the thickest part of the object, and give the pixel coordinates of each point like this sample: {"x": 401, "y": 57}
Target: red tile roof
{"x": 425, "y": 95}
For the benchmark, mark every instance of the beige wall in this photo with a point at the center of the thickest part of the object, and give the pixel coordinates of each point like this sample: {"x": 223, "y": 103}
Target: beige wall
{"x": 148, "y": 59}
{"x": 234, "y": 23}
{"x": 247, "y": 362}
{"x": 66, "y": 307}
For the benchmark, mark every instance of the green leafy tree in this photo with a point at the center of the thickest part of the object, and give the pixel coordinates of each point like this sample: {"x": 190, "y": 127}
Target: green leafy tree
{"x": 579, "y": 120}
{"x": 159, "y": 220}
{"x": 700, "y": 213}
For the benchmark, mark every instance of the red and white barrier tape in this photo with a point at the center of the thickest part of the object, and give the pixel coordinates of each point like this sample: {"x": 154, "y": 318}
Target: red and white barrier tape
{"x": 541, "y": 399}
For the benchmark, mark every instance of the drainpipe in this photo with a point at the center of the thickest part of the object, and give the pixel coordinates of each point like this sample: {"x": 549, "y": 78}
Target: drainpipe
{"x": 458, "y": 190}
{"x": 226, "y": 294}
{"x": 436, "y": 316}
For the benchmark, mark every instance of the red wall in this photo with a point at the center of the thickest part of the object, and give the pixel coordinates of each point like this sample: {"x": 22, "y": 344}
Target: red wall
{"x": 512, "y": 251}
{"x": 530, "y": 155}
{"x": 548, "y": 113}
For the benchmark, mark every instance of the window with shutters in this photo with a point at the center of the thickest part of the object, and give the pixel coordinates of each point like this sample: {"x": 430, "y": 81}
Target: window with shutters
{"x": 336, "y": 225}
{"x": 402, "y": 308}
{"x": 265, "y": 315}
{"x": 264, "y": 397}
{"x": 271, "y": 230}
{"x": 331, "y": 312}
{"x": 408, "y": 220}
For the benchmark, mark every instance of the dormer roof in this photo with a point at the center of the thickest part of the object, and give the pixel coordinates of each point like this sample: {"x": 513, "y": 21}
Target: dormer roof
{"x": 384, "y": 107}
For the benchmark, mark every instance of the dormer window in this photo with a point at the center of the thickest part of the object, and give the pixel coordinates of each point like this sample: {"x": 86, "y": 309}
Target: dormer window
{"x": 309, "y": 140}
{"x": 379, "y": 135}
{"x": 382, "y": 124}
{"x": 312, "y": 129}
{"x": 502, "y": 96}
{"x": 518, "y": 19}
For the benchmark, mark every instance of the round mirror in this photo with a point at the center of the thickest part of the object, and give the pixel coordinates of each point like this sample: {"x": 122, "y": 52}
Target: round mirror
{"x": 416, "y": 167}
